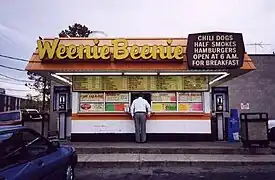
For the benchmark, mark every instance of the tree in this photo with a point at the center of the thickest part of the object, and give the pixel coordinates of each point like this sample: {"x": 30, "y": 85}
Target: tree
{"x": 76, "y": 30}
{"x": 38, "y": 85}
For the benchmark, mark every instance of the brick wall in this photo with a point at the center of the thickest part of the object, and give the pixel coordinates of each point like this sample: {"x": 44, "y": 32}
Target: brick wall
{"x": 256, "y": 88}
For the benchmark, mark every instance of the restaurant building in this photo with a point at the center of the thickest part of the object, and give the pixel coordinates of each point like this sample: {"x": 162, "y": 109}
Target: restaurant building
{"x": 94, "y": 82}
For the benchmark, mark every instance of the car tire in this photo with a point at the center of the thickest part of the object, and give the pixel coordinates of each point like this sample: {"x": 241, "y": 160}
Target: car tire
{"x": 272, "y": 134}
{"x": 69, "y": 173}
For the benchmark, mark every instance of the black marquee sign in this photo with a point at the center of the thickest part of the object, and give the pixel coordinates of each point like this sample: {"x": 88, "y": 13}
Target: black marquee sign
{"x": 215, "y": 50}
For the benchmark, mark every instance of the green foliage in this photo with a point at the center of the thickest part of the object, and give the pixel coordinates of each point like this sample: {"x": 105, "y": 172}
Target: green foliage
{"x": 76, "y": 30}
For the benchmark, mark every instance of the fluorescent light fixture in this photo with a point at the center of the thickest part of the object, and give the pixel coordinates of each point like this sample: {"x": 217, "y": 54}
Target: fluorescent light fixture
{"x": 193, "y": 73}
{"x": 140, "y": 73}
{"x": 62, "y": 79}
{"x": 89, "y": 74}
{"x": 218, "y": 78}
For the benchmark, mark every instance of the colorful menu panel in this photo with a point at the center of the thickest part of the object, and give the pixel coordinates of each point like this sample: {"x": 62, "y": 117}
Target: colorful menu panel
{"x": 115, "y": 106}
{"x": 184, "y": 107}
{"x": 117, "y": 97}
{"x": 197, "y": 107}
{"x": 91, "y": 97}
{"x": 196, "y": 97}
{"x": 163, "y": 97}
{"x": 190, "y": 107}
{"x": 140, "y": 83}
{"x": 184, "y": 97}
{"x": 190, "y": 97}
{"x": 91, "y": 107}
{"x": 162, "y": 107}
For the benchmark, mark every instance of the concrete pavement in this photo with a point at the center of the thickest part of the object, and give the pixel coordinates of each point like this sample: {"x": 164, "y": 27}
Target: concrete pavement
{"x": 178, "y": 173}
{"x": 164, "y": 154}
{"x": 151, "y": 160}
{"x": 166, "y": 148}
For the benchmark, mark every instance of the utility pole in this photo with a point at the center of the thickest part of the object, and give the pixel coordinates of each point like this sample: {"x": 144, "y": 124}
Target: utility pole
{"x": 43, "y": 104}
{"x": 258, "y": 45}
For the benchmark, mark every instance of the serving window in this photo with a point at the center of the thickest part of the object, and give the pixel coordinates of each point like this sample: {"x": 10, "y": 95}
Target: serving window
{"x": 160, "y": 102}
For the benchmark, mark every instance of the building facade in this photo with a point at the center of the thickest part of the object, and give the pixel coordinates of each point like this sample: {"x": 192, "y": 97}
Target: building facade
{"x": 96, "y": 81}
{"x": 254, "y": 91}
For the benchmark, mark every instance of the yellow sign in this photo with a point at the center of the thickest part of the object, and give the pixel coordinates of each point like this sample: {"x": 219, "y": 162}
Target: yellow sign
{"x": 140, "y": 83}
{"x": 120, "y": 50}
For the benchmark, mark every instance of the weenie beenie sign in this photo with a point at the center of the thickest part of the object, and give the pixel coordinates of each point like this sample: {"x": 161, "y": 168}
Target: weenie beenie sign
{"x": 215, "y": 50}
{"x": 117, "y": 49}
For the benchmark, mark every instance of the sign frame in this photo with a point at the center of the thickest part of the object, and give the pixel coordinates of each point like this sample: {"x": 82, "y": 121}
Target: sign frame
{"x": 204, "y": 42}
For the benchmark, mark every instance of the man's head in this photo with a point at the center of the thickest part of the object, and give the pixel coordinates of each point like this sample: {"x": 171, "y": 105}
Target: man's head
{"x": 139, "y": 95}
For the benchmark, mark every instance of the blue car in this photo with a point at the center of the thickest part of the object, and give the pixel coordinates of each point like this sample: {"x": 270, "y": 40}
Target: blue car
{"x": 27, "y": 155}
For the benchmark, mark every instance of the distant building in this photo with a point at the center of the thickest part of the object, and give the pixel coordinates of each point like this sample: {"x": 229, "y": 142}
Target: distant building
{"x": 255, "y": 91}
{"x": 11, "y": 103}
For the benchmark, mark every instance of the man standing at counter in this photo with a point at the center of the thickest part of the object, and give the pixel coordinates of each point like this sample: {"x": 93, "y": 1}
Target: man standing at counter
{"x": 140, "y": 108}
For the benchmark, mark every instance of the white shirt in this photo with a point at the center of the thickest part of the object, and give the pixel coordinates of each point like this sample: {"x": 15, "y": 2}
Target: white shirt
{"x": 140, "y": 105}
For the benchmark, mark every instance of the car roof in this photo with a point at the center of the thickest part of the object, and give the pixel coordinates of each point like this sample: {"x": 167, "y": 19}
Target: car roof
{"x": 30, "y": 109}
{"x": 6, "y": 128}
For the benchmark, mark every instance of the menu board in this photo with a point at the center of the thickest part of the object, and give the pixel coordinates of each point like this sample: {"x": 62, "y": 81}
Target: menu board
{"x": 195, "y": 82}
{"x": 137, "y": 83}
{"x": 85, "y": 83}
{"x": 115, "y": 83}
{"x": 115, "y": 106}
{"x": 162, "y": 107}
{"x": 164, "y": 97}
{"x": 140, "y": 83}
{"x": 91, "y": 107}
{"x": 91, "y": 97}
{"x": 152, "y": 83}
{"x": 169, "y": 82}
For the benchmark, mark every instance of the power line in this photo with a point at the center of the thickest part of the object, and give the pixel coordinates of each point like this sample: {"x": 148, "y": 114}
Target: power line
{"x": 14, "y": 58}
{"x": 8, "y": 67}
{"x": 16, "y": 89}
{"x": 21, "y": 80}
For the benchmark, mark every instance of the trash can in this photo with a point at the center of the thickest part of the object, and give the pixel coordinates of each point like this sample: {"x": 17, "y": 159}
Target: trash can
{"x": 254, "y": 129}
{"x": 233, "y": 126}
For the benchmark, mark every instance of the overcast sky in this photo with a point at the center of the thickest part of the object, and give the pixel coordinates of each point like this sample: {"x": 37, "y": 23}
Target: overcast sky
{"x": 21, "y": 22}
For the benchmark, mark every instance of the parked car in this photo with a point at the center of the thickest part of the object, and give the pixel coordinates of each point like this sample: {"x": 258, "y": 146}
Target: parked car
{"x": 271, "y": 129}
{"x": 31, "y": 114}
{"x": 27, "y": 155}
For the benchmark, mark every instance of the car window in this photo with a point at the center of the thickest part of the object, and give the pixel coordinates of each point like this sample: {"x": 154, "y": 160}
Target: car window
{"x": 12, "y": 149}
{"x": 35, "y": 144}
{"x": 34, "y": 114}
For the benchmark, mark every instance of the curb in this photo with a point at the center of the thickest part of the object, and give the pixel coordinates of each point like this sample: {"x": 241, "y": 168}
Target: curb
{"x": 137, "y": 164}
{"x": 137, "y": 150}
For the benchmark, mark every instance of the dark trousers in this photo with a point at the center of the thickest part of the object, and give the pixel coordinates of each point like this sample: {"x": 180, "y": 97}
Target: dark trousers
{"x": 140, "y": 126}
